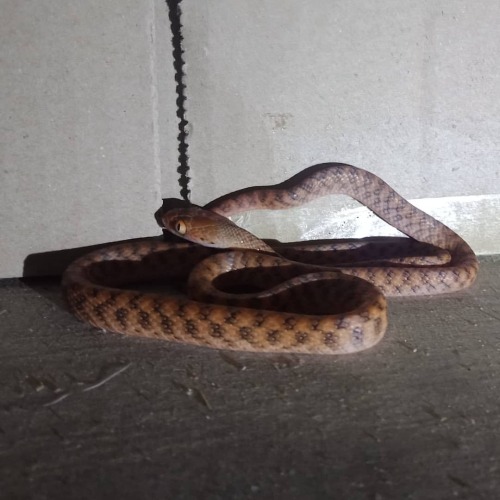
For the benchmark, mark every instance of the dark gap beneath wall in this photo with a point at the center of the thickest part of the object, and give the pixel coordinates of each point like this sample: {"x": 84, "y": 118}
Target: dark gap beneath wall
{"x": 174, "y": 13}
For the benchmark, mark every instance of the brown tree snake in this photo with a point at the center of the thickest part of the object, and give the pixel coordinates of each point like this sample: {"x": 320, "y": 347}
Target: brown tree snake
{"x": 256, "y": 297}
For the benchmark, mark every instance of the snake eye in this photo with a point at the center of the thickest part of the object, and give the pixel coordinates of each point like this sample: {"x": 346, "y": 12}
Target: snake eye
{"x": 180, "y": 227}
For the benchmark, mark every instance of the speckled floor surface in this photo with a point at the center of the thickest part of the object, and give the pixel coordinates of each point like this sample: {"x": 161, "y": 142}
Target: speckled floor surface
{"x": 86, "y": 414}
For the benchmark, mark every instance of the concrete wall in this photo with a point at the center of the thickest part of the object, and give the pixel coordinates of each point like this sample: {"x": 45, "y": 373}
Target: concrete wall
{"x": 88, "y": 124}
{"x": 408, "y": 90}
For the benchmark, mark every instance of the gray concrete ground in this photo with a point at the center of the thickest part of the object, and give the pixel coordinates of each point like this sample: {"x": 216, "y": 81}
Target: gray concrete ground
{"x": 85, "y": 414}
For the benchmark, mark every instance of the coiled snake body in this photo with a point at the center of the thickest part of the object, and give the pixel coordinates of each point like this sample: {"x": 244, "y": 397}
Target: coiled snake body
{"x": 256, "y": 297}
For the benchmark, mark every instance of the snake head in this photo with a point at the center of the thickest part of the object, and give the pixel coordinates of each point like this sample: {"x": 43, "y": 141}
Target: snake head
{"x": 209, "y": 229}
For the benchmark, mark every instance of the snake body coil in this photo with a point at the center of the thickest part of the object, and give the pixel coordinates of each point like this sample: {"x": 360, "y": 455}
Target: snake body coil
{"x": 258, "y": 298}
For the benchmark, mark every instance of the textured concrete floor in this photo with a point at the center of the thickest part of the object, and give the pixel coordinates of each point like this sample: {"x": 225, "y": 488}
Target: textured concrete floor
{"x": 84, "y": 414}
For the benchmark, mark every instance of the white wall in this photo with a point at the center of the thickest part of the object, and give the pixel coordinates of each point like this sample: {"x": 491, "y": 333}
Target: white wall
{"x": 84, "y": 140}
{"x": 408, "y": 90}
